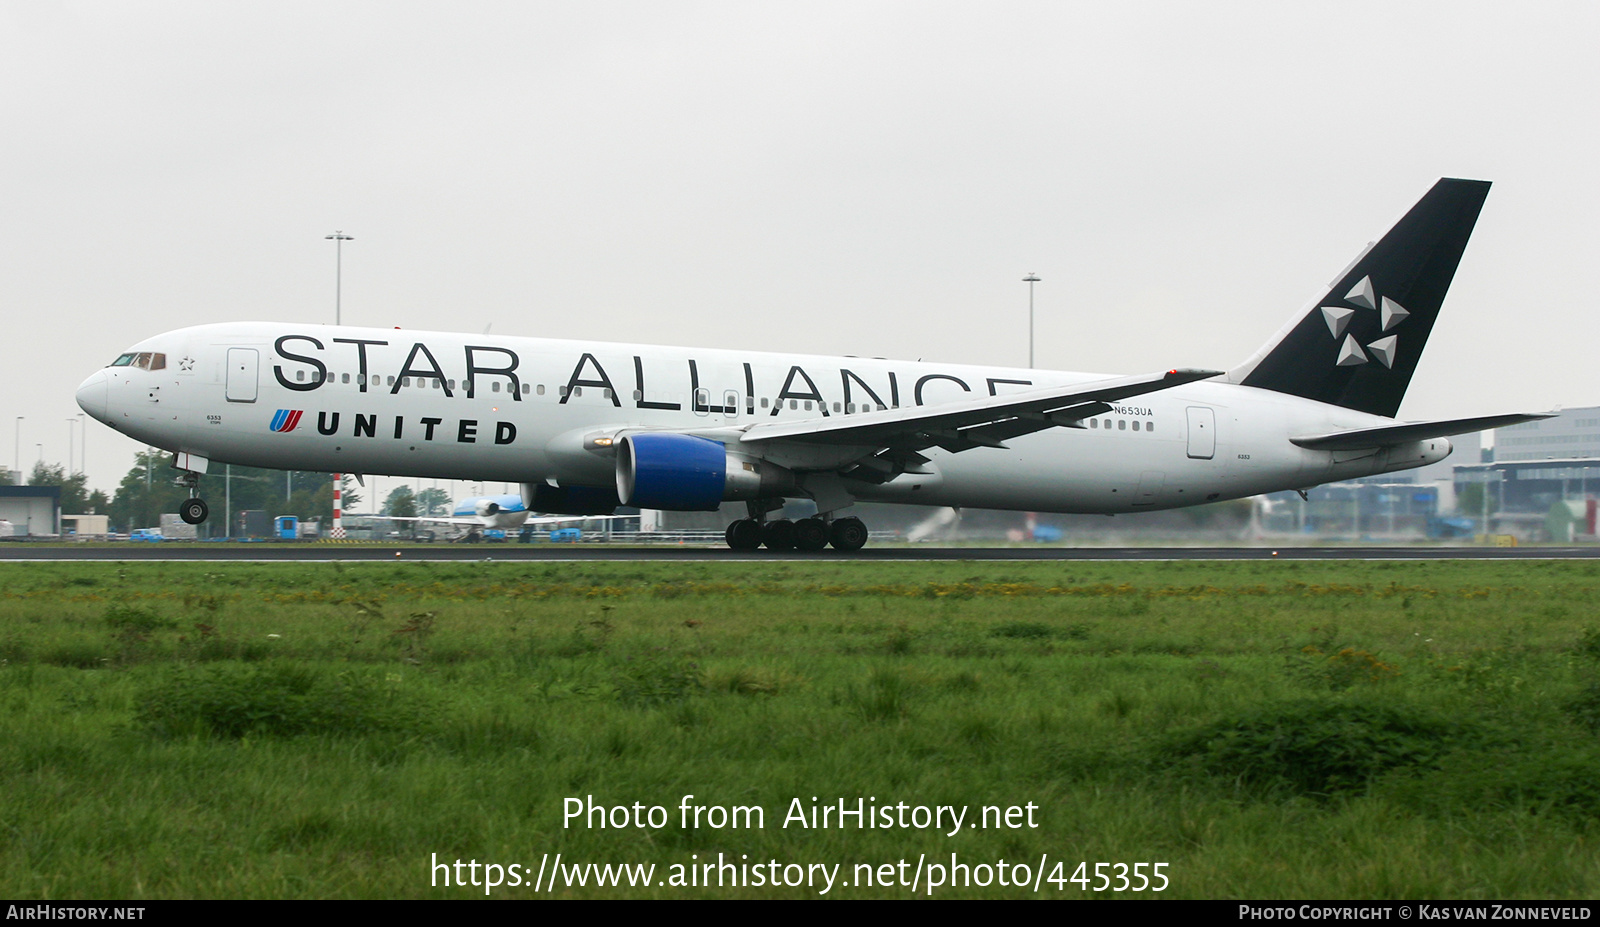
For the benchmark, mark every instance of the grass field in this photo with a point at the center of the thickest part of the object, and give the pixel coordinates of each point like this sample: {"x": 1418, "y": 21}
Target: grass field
{"x": 1265, "y": 730}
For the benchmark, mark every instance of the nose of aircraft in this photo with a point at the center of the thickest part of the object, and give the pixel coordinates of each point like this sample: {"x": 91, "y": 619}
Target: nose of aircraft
{"x": 92, "y": 395}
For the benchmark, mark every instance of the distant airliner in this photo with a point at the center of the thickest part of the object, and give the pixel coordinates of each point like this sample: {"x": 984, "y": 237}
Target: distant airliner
{"x": 504, "y": 513}
{"x": 586, "y": 426}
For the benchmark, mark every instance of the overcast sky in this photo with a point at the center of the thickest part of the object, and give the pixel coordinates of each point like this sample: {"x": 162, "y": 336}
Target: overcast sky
{"x": 852, "y": 178}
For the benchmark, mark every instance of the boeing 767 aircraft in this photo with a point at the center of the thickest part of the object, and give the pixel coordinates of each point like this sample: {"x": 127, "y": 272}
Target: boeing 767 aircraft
{"x": 586, "y": 426}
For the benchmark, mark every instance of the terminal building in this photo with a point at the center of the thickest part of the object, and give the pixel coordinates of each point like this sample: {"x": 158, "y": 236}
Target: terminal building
{"x": 1540, "y": 480}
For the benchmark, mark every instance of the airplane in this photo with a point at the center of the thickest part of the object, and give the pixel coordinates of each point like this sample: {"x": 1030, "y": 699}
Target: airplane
{"x": 501, "y": 512}
{"x": 587, "y": 426}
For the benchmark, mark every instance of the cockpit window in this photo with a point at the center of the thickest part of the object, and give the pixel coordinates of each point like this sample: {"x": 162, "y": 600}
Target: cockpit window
{"x": 144, "y": 361}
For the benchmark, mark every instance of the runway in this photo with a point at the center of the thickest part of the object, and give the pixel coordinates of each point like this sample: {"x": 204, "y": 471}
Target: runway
{"x": 516, "y": 553}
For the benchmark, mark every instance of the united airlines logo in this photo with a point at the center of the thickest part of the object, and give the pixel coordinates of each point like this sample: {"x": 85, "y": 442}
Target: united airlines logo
{"x": 285, "y": 420}
{"x": 1391, "y": 314}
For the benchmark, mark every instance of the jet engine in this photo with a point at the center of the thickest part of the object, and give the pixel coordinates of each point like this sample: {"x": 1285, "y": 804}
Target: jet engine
{"x": 683, "y": 473}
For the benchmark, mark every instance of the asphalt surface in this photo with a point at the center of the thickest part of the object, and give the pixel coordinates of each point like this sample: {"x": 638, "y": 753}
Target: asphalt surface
{"x": 308, "y": 552}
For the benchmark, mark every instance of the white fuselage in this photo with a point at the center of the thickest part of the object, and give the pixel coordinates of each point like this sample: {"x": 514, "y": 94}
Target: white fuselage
{"x": 387, "y": 401}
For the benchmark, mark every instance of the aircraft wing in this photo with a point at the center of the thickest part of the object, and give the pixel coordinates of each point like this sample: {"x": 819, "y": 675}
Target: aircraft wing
{"x": 984, "y": 422}
{"x": 1403, "y": 432}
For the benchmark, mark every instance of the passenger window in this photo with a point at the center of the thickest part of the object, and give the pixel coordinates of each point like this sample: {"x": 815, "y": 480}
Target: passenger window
{"x": 836, "y": 407}
{"x": 299, "y": 374}
{"x": 1136, "y": 426}
{"x": 577, "y": 391}
{"x": 391, "y": 382}
{"x": 793, "y": 404}
{"x": 452, "y": 383}
{"x": 1149, "y": 426}
{"x": 346, "y": 377}
{"x": 606, "y": 392}
{"x": 526, "y": 387}
{"x": 763, "y": 402}
{"x": 1122, "y": 424}
{"x": 541, "y": 389}
{"x": 495, "y": 387}
{"x": 808, "y": 405}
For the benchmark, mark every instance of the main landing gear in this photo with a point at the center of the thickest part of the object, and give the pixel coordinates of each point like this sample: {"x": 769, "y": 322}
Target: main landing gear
{"x": 194, "y": 509}
{"x": 809, "y": 534}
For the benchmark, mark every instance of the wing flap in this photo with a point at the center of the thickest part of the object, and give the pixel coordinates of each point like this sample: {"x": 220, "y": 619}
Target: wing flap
{"x": 985, "y": 422}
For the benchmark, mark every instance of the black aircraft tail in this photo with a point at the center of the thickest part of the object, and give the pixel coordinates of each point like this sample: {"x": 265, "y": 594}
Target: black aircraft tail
{"x": 1359, "y": 344}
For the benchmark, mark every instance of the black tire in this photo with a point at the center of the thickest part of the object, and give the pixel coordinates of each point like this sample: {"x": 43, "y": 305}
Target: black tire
{"x": 194, "y": 511}
{"x": 744, "y": 534}
{"x": 811, "y": 534}
{"x": 849, "y": 534}
{"x": 778, "y": 535}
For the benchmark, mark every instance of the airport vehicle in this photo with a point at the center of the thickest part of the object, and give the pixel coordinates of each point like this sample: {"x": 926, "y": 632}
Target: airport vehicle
{"x": 585, "y": 426}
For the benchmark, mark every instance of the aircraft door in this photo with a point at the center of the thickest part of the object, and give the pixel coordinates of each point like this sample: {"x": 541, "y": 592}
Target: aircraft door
{"x": 1202, "y": 433}
{"x": 242, "y": 367}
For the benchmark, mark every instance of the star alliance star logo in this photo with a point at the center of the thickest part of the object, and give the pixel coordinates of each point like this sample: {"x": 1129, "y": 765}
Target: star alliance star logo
{"x": 186, "y": 365}
{"x": 1338, "y": 318}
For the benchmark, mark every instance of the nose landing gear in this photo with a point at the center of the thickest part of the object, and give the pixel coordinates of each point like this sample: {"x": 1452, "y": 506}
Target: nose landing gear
{"x": 194, "y": 509}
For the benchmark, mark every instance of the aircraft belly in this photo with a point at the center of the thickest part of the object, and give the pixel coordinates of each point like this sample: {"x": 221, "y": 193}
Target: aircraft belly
{"x": 1077, "y": 472}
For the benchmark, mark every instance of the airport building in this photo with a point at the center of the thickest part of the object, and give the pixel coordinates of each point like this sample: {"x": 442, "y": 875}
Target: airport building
{"x": 1575, "y": 433}
{"x": 1540, "y": 479}
{"x": 30, "y": 511}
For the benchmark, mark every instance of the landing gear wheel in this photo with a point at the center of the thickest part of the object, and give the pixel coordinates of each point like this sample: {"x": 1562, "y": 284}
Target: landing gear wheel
{"x": 811, "y": 534}
{"x": 778, "y": 535}
{"x": 849, "y": 533}
{"x": 194, "y": 511}
{"x": 744, "y": 534}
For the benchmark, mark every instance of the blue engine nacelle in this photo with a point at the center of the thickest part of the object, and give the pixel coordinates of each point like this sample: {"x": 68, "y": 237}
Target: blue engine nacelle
{"x": 683, "y": 473}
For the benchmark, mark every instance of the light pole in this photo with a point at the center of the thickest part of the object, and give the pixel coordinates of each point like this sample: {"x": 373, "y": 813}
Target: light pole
{"x": 17, "y": 450}
{"x": 338, "y": 239}
{"x": 1030, "y": 280}
{"x": 72, "y": 443}
{"x": 83, "y": 445}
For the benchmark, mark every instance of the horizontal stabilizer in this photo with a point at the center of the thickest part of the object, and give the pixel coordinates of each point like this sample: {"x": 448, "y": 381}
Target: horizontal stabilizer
{"x": 1405, "y": 432}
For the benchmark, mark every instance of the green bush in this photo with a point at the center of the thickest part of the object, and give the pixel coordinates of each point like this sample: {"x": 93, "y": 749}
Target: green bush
{"x": 657, "y": 679}
{"x": 273, "y": 700}
{"x": 1025, "y": 630}
{"x": 1316, "y": 748}
{"x": 136, "y": 619}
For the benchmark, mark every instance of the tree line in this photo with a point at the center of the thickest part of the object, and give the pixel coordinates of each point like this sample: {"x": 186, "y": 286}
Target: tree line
{"x": 147, "y": 492}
